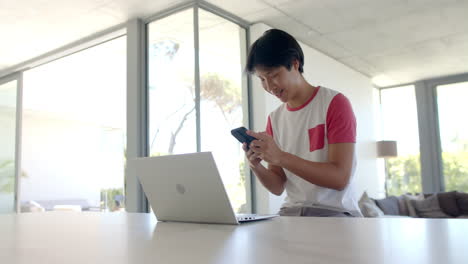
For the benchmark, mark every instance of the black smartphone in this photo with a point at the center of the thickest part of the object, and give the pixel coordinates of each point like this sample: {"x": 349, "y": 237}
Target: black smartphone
{"x": 241, "y": 134}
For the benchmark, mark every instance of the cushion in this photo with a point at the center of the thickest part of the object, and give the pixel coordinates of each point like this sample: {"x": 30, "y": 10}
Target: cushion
{"x": 462, "y": 202}
{"x": 31, "y": 206}
{"x": 408, "y": 198}
{"x": 448, "y": 203}
{"x": 368, "y": 207}
{"x": 402, "y": 207}
{"x": 389, "y": 205}
{"x": 429, "y": 208}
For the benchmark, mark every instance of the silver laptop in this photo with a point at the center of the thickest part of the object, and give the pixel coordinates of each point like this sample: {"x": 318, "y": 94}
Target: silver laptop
{"x": 187, "y": 188}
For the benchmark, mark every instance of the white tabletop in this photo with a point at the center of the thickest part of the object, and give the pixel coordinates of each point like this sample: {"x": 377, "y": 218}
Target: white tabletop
{"x": 71, "y": 237}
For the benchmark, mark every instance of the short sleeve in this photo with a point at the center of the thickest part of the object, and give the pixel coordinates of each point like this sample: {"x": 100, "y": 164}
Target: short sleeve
{"x": 341, "y": 122}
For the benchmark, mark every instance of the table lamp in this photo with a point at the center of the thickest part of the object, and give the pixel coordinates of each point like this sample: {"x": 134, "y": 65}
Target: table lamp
{"x": 386, "y": 149}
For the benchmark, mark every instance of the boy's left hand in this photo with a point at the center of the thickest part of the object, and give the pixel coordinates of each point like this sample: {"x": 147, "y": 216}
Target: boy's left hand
{"x": 266, "y": 147}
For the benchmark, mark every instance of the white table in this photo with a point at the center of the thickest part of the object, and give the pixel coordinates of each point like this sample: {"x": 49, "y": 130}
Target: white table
{"x": 112, "y": 238}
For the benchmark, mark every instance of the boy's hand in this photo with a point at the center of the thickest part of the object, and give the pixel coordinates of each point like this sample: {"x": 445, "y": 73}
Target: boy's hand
{"x": 253, "y": 158}
{"x": 265, "y": 148}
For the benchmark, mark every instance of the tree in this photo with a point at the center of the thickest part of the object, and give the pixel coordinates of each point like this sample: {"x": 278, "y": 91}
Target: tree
{"x": 222, "y": 92}
{"x": 404, "y": 173}
{"x": 455, "y": 168}
{"x": 213, "y": 88}
{"x": 112, "y": 199}
{"x": 7, "y": 176}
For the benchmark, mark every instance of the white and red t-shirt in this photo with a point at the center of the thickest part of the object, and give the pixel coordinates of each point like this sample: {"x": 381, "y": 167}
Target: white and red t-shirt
{"x": 326, "y": 118}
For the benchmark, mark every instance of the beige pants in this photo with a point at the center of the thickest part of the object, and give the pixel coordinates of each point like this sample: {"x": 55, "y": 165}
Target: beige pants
{"x": 311, "y": 211}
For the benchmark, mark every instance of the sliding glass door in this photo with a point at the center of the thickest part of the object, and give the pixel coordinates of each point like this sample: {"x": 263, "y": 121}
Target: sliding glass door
{"x": 197, "y": 92}
{"x": 223, "y": 100}
{"x": 453, "y": 130}
{"x": 9, "y": 130}
{"x": 171, "y": 85}
{"x": 399, "y": 113}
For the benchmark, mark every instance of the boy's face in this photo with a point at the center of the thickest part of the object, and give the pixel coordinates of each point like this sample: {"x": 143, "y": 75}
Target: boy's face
{"x": 278, "y": 81}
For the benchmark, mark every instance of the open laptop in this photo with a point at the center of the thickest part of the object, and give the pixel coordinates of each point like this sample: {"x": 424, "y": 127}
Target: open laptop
{"x": 187, "y": 188}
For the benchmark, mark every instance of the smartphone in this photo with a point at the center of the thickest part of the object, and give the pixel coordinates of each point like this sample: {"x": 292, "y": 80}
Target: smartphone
{"x": 241, "y": 134}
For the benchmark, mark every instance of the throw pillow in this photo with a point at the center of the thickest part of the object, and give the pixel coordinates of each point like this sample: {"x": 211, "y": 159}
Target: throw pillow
{"x": 368, "y": 207}
{"x": 448, "y": 203}
{"x": 388, "y": 205}
{"x": 462, "y": 202}
{"x": 402, "y": 207}
{"x": 429, "y": 208}
{"x": 408, "y": 198}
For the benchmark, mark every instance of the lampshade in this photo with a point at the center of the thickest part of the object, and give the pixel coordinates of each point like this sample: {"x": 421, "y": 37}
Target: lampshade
{"x": 386, "y": 148}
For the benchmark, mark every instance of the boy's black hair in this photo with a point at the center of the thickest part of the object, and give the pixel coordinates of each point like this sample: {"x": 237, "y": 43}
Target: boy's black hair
{"x": 274, "y": 48}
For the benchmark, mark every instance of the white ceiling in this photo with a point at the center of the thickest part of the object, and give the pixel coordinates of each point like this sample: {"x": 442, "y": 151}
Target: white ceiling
{"x": 392, "y": 41}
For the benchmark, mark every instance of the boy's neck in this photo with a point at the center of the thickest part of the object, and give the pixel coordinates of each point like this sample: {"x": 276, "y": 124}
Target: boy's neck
{"x": 303, "y": 93}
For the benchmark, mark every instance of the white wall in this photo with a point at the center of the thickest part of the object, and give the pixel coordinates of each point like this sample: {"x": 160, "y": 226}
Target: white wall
{"x": 322, "y": 70}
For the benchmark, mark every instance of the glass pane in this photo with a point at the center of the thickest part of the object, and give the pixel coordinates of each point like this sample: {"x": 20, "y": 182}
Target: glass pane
{"x": 74, "y": 131}
{"x": 400, "y": 123}
{"x": 7, "y": 141}
{"x": 453, "y": 135}
{"x": 172, "y": 124}
{"x": 221, "y": 52}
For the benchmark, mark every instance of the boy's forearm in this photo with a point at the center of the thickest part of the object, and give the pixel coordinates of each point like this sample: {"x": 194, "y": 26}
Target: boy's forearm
{"x": 325, "y": 174}
{"x": 273, "y": 182}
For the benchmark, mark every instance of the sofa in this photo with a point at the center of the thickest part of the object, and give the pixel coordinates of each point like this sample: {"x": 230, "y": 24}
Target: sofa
{"x": 437, "y": 205}
{"x": 58, "y": 205}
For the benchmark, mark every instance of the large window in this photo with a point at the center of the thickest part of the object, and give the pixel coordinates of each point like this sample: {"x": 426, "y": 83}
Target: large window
{"x": 453, "y": 128}
{"x": 400, "y": 123}
{"x": 171, "y": 85}
{"x": 74, "y": 131}
{"x": 8, "y": 93}
{"x": 173, "y": 97}
{"x": 221, "y": 49}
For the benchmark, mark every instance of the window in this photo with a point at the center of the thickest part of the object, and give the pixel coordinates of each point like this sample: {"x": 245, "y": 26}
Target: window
{"x": 8, "y": 92}
{"x": 400, "y": 123}
{"x": 453, "y": 135}
{"x": 74, "y": 131}
{"x": 173, "y": 97}
{"x": 171, "y": 85}
{"x": 222, "y": 47}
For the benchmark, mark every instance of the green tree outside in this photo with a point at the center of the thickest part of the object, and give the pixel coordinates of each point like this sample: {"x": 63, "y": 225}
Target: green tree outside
{"x": 455, "y": 171}
{"x": 110, "y": 199}
{"x": 404, "y": 173}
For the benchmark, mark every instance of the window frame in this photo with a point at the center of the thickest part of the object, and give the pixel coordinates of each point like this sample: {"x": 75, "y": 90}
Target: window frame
{"x": 137, "y": 97}
{"x": 246, "y": 93}
{"x": 432, "y": 176}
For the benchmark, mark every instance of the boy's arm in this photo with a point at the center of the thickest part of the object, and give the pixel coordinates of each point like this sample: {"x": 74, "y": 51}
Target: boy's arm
{"x": 272, "y": 178}
{"x": 334, "y": 173}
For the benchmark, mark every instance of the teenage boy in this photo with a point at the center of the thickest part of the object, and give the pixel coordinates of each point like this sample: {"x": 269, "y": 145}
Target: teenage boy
{"x": 309, "y": 143}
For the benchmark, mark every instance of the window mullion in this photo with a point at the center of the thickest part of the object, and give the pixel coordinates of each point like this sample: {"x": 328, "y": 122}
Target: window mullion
{"x": 197, "y": 75}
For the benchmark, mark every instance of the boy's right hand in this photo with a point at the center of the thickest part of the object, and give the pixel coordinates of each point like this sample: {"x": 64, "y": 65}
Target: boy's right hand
{"x": 252, "y": 157}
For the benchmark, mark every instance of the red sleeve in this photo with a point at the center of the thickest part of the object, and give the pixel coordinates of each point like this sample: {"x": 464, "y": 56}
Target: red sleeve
{"x": 269, "y": 129}
{"x": 341, "y": 122}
